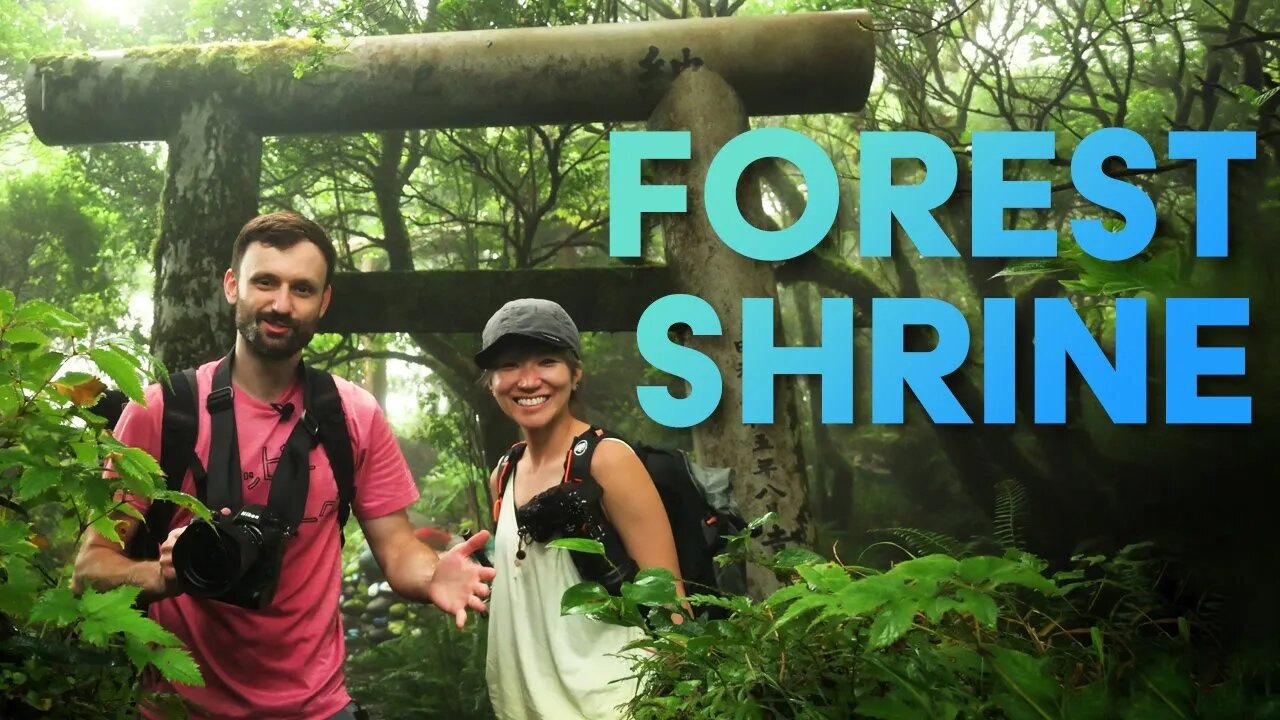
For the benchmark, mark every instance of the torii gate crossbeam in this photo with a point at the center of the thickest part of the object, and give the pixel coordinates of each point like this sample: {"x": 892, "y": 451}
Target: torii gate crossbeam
{"x": 214, "y": 103}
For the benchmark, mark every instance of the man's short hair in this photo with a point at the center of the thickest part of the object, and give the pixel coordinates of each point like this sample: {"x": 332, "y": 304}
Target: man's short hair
{"x": 283, "y": 230}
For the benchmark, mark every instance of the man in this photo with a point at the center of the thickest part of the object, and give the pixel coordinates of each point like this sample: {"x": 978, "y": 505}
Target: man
{"x": 283, "y": 662}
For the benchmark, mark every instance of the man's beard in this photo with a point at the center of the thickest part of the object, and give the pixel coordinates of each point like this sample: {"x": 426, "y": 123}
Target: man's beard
{"x": 273, "y": 348}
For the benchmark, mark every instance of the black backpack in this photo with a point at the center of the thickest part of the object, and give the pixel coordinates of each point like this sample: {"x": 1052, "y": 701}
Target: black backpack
{"x": 699, "y": 505}
{"x": 178, "y": 452}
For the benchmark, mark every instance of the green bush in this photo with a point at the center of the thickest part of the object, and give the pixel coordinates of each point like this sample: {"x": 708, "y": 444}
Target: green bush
{"x": 72, "y": 657}
{"x": 935, "y": 636}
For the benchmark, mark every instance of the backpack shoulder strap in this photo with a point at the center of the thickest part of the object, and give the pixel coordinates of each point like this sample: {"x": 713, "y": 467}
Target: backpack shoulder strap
{"x": 179, "y": 425}
{"x": 616, "y": 566}
{"x": 577, "y": 468}
{"x": 506, "y": 466}
{"x": 179, "y": 428}
{"x": 326, "y": 410}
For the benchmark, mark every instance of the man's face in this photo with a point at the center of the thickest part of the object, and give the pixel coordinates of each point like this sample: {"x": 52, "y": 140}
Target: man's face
{"x": 279, "y": 297}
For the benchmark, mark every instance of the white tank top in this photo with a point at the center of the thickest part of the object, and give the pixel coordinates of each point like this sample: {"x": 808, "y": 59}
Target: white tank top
{"x": 542, "y": 665}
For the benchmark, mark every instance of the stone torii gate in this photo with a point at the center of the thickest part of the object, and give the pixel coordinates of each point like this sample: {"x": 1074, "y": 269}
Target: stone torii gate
{"x": 213, "y": 104}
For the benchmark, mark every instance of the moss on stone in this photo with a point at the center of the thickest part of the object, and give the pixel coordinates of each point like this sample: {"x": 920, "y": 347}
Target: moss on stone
{"x": 67, "y": 64}
{"x": 247, "y": 58}
{"x": 281, "y": 55}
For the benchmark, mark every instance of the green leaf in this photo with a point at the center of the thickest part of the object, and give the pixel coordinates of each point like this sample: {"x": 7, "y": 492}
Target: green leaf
{"x": 93, "y": 601}
{"x": 38, "y": 371}
{"x": 802, "y": 606}
{"x": 994, "y": 571}
{"x": 42, "y": 313}
{"x": 787, "y": 594}
{"x": 1034, "y": 691}
{"x": 138, "y": 469}
{"x": 120, "y": 370}
{"x": 891, "y": 624}
{"x": 75, "y": 378}
{"x": 936, "y": 608}
{"x": 85, "y": 453}
{"x": 761, "y": 521}
{"x": 139, "y": 653}
{"x": 1032, "y": 267}
{"x": 1172, "y": 688}
{"x": 6, "y": 305}
{"x": 1089, "y": 703}
{"x": 1026, "y": 577}
{"x": 962, "y": 659}
{"x": 869, "y": 593}
{"x": 112, "y": 612}
{"x": 185, "y": 501}
{"x": 900, "y": 682}
{"x": 10, "y": 399}
{"x": 36, "y": 480}
{"x": 1095, "y": 636}
{"x": 796, "y": 556}
{"x": 582, "y": 545}
{"x": 176, "y": 665}
{"x": 929, "y": 567}
{"x": 980, "y": 605}
{"x": 739, "y": 604}
{"x": 59, "y": 606}
{"x": 584, "y": 598}
{"x": 889, "y": 707}
{"x": 979, "y": 568}
{"x": 26, "y": 335}
{"x": 17, "y": 592}
{"x": 1184, "y": 629}
{"x": 107, "y": 527}
{"x": 701, "y": 645}
{"x": 685, "y": 688}
{"x": 829, "y": 577}
{"x": 97, "y": 492}
{"x": 129, "y": 352}
{"x": 15, "y": 539}
{"x": 653, "y": 587}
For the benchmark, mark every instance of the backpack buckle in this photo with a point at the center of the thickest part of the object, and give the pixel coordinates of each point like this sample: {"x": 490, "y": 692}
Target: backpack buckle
{"x": 220, "y": 400}
{"x": 311, "y": 425}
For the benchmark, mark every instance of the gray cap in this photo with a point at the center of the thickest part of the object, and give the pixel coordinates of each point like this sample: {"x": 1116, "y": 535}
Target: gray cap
{"x": 534, "y": 318}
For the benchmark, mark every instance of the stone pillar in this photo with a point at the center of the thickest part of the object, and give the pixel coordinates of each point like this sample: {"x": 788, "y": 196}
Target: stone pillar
{"x": 765, "y": 458}
{"x": 375, "y": 369}
{"x": 210, "y": 193}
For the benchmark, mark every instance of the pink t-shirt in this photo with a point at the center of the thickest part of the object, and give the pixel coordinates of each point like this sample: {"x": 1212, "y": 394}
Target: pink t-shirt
{"x": 283, "y": 662}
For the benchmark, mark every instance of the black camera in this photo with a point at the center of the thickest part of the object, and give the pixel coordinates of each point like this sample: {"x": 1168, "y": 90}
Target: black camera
{"x": 234, "y": 559}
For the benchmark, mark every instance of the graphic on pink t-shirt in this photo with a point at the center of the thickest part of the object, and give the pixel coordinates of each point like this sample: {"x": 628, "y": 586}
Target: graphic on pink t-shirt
{"x": 283, "y": 662}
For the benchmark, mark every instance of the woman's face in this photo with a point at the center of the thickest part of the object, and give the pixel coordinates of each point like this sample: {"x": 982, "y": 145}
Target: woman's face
{"x": 533, "y": 387}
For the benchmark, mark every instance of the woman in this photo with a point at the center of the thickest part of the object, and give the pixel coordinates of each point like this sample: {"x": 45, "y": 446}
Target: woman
{"x": 541, "y": 664}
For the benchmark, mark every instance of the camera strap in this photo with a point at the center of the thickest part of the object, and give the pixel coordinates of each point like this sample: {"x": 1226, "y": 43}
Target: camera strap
{"x": 223, "y": 482}
{"x": 292, "y": 477}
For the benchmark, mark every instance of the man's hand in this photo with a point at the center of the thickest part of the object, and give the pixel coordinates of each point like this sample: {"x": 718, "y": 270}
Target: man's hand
{"x": 166, "y": 584}
{"x": 459, "y": 582}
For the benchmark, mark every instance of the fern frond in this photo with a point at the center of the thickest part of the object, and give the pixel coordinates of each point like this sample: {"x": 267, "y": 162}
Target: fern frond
{"x": 923, "y": 542}
{"x": 1010, "y": 512}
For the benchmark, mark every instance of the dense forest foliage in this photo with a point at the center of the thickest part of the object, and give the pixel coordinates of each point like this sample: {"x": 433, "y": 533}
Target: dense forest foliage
{"x": 1086, "y": 569}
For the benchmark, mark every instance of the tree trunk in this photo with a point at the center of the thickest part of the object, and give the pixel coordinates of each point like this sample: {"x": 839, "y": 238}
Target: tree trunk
{"x": 764, "y": 458}
{"x": 210, "y": 193}
{"x": 455, "y": 370}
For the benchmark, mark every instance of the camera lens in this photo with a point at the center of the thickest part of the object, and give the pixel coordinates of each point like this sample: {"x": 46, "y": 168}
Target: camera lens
{"x": 210, "y": 559}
